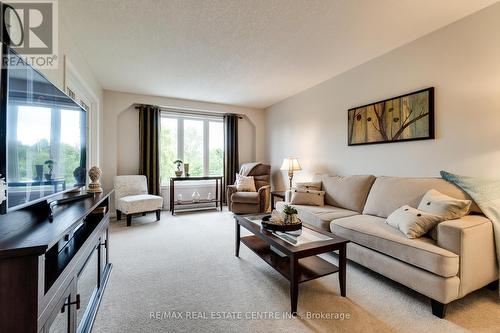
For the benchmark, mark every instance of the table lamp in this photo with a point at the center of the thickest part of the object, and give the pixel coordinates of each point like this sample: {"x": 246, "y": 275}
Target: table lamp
{"x": 290, "y": 164}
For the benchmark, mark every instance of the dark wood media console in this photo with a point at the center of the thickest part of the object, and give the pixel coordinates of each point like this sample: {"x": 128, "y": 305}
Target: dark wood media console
{"x": 53, "y": 274}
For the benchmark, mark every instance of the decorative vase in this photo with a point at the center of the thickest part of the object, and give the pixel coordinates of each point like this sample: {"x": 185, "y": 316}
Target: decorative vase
{"x": 179, "y": 197}
{"x": 39, "y": 172}
{"x": 196, "y": 196}
{"x": 209, "y": 196}
{"x": 186, "y": 169}
{"x": 178, "y": 173}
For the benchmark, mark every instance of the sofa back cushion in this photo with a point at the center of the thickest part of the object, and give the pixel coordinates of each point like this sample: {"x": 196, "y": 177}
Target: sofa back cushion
{"x": 348, "y": 192}
{"x": 389, "y": 193}
{"x": 308, "y": 197}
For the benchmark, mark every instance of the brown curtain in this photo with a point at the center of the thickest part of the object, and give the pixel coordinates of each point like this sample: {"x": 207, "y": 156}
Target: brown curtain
{"x": 231, "y": 160}
{"x": 149, "y": 136}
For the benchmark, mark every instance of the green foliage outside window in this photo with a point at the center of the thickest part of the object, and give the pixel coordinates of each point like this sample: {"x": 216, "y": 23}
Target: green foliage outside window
{"x": 193, "y": 148}
{"x": 38, "y": 153}
{"x": 168, "y": 154}
{"x": 216, "y": 162}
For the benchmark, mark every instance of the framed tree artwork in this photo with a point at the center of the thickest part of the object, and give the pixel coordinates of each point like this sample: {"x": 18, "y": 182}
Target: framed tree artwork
{"x": 403, "y": 118}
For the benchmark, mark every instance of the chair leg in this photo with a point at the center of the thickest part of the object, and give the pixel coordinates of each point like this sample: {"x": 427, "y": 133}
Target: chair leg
{"x": 158, "y": 215}
{"x": 118, "y": 215}
{"x": 438, "y": 309}
{"x": 129, "y": 220}
{"x": 493, "y": 286}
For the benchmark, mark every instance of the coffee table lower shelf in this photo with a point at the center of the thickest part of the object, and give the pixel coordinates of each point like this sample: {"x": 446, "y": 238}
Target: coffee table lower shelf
{"x": 310, "y": 268}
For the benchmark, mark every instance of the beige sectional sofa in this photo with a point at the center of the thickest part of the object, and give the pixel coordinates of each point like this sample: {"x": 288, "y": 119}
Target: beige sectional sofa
{"x": 460, "y": 260}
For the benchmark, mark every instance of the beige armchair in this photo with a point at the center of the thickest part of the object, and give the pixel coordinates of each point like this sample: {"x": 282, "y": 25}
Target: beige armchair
{"x": 251, "y": 202}
{"x": 132, "y": 198}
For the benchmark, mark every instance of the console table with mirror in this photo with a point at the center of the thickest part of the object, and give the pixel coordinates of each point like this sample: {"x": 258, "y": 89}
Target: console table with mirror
{"x": 53, "y": 274}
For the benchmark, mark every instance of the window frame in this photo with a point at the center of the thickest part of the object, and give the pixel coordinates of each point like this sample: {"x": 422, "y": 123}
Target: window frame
{"x": 206, "y": 119}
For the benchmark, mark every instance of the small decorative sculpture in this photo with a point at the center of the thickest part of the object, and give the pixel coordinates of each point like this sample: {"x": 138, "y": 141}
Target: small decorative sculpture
{"x": 79, "y": 173}
{"x": 94, "y": 174}
{"x": 196, "y": 196}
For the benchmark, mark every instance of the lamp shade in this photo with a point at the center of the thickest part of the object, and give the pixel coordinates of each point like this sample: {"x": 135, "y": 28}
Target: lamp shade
{"x": 290, "y": 164}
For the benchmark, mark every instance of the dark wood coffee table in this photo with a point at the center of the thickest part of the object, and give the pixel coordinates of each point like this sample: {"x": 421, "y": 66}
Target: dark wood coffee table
{"x": 297, "y": 262}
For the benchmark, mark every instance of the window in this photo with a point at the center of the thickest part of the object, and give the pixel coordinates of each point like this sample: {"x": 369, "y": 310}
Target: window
{"x": 193, "y": 146}
{"x": 168, "y": 147}
{"x": 215, "y": 148}
{"x": 194, "y": 140}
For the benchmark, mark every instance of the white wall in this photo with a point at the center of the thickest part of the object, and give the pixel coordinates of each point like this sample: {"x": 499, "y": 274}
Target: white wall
{"x": 462, "y": 62}
{"x": 121, "y": 130}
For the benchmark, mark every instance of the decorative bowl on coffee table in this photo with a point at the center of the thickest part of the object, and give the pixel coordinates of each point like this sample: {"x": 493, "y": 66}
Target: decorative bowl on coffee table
{"x": 268, "y": 223}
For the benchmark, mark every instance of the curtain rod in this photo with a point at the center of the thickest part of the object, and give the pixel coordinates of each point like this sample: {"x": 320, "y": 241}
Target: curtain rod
{"x": 193, "y": 112}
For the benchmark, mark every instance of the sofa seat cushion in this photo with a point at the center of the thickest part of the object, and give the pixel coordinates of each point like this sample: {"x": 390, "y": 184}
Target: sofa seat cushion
{"x": 374, "y": 233}
{"x": 319, "y": 217}
{"x": 139, "y": 203}
{"x": 246, "y": 197}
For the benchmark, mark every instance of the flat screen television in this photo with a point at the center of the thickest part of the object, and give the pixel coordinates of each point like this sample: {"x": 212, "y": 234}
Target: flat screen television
{"x": 43, "y": 136}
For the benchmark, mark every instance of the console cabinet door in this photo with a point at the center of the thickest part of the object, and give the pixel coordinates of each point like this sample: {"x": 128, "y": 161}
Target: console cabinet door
{"x": 86, "y": 285}
{"x": 62, "y": 319}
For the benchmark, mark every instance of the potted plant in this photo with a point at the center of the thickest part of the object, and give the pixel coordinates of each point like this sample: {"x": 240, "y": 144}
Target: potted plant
{"x": 178, "y": 164}
{"x": 290, "y": 214}
{"x": 50, "y": 165}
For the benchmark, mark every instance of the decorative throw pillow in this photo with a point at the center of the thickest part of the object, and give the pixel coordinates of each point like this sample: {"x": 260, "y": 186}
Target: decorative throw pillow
{"x": 308, "y": 197}
{"x": 449, "y": 208}
{"x": 412, "y": 222}
{"x": 245, "y": 183}
{"x": 316, "y": 186}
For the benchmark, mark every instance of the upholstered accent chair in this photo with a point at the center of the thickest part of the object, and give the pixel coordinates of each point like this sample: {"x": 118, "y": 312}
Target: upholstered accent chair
{"x": 132, "y": 198}
{"x": 251, "y": 202}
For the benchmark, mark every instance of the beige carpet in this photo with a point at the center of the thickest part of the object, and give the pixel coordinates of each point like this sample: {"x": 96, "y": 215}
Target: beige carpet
{"x": 186, "y": 264}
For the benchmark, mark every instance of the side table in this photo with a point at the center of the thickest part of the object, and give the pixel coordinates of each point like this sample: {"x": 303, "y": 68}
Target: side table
{"x": 276, "y": 194}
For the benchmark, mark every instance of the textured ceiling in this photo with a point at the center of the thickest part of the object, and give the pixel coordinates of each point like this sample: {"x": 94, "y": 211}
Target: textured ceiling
{"x": 244, "y": 52}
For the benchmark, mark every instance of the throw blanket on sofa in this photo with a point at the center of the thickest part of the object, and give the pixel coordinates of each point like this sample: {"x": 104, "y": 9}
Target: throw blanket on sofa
{"x": 486, "y": 194}
{"x": 247, "y": 167}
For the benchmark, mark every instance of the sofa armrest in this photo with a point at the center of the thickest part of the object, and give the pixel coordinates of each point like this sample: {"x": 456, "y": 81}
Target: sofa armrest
{"x": 471, "y": 237}
{"x": 264, "y": 198}
{"x": 231, "y": 189}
